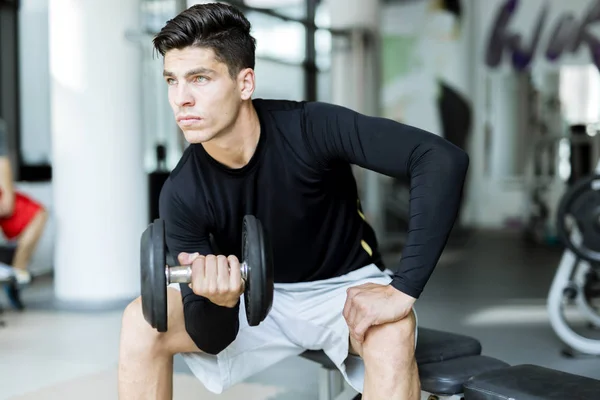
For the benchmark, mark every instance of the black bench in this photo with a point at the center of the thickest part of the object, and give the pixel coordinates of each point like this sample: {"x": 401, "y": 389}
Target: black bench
{"x": 451, "y": 367}
{"x": 531, "y": 382}
{"x": 446, "y": 361}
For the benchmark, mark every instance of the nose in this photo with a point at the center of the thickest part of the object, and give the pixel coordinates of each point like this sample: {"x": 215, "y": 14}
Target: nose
{"x": 183, "y": 96}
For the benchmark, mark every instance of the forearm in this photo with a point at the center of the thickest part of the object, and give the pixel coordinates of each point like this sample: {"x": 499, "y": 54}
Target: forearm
{"x": 436, "y": 184}
{"x": 211, "y": 327}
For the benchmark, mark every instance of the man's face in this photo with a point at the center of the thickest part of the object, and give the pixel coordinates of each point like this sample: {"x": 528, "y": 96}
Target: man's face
{"x": 204, "y": 97}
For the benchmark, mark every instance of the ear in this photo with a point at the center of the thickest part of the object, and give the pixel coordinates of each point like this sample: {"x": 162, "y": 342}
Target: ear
{"x": 246, "y": 83}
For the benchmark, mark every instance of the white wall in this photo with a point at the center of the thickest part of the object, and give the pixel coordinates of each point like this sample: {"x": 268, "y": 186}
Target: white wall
{"x": 34, "y": 81}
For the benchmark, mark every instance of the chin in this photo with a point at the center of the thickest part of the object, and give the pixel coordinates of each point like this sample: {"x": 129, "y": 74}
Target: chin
{"x": 197, "y": 136}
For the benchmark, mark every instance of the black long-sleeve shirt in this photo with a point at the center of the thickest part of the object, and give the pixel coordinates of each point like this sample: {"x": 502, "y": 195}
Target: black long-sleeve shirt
{"x": 300, "y": 184}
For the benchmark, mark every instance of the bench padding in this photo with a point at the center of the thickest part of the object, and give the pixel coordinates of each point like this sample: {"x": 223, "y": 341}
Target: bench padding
{"x": 531, "y": 382}
{"x": 447, "y": 377}
{"x": 434, "y": 346}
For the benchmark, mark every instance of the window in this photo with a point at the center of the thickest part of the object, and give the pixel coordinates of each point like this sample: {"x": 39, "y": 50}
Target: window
{"x": 290, "y": 8}
{"x": 579, "y": 93}
{"x": 278, "y": 39}
{"x": 279, "y": 81}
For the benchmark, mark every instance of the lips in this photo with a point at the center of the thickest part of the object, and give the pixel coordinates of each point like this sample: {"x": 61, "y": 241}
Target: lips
{"x": 184, "y": 118}
{"x": 188, "y": 120}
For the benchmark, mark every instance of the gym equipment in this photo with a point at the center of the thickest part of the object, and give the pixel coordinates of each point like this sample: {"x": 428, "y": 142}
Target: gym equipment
{"x": 576, "y": 279}
{"x": 581, "y": 203}
{"x": 557, "y": 159}
{"x": 156, "y": 180}
{"x": 574, "y": 282}
{"x": 451, "y": 367}
{"x": 256, "y": 269}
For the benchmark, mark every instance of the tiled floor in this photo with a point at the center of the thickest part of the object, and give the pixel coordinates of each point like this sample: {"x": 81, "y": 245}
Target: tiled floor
{"x": 494, "y": 289}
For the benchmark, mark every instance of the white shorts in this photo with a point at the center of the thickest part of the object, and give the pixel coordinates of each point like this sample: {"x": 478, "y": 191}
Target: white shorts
{"x": 304, "y": 316}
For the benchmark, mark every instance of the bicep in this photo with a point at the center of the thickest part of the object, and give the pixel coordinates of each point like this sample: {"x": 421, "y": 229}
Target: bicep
{"x": 185, "y": 232}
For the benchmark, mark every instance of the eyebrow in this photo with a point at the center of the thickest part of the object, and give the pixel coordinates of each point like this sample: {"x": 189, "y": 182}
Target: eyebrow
{"x": 196, "y": 71}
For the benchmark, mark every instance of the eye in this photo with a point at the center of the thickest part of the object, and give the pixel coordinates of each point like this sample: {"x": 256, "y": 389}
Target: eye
{"x": 200, "y": 79}
{"x": 170, "y": 81}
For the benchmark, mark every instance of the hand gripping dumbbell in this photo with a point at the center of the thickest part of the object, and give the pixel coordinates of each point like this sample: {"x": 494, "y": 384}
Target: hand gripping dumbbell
{"x": 256, "y": 270}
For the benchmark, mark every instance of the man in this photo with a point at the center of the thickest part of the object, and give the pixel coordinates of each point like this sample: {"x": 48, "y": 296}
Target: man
{"x": 289, "y": 164}
{"x": 22, "y": 220}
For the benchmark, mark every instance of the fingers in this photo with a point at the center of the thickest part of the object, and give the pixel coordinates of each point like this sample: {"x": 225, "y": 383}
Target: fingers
{"x": 357, "y": 315}
{"x": 361, "y": 328}
{"x": 187, "y": 258}
{"x": 217, "y": 278}
{"x": 350, "y": 294}
{"x": 210, "y": 276}
{"x": 351, "y": 321}
{"x": 198, "y": 274}
{"x": 222, "y": 275}
{"x": 235, "y": 274}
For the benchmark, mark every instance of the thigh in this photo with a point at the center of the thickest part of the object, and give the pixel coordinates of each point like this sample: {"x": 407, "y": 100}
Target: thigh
{"x": 177, "y": 340}
{"x": 136, "y": 331}
{"x": 266, "y": 336}
{"x": 254, "y": 349}
{"x": 319, "y": 306}
{"x": 323, "y": 301}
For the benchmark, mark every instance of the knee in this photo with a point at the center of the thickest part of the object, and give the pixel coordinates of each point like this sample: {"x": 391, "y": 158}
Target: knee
{"x": 394, "y": 342}
{"x": 136, "y": 334}
{"x": 43, "y": 213}
{"x": 43, "y": 216}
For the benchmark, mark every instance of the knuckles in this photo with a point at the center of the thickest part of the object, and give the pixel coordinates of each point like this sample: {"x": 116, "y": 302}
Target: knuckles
{"x": 208, "y": 279}
{"x": 223, "y": 290}
{"x": 355, "y": 303}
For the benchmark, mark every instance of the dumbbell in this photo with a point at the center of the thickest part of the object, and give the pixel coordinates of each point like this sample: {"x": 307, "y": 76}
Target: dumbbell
{"x": 256, "y": 270}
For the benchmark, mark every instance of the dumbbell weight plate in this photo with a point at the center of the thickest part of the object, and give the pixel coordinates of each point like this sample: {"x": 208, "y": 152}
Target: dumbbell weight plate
{"x": 153, "y": 279}
{"x": 258, "y": 294}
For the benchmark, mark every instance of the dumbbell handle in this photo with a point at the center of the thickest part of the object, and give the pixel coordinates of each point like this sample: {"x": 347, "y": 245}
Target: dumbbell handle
{"x": 183, "y": 273}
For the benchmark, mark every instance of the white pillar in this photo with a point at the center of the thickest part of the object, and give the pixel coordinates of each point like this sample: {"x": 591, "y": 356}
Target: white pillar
{"x": 100, "y": 189}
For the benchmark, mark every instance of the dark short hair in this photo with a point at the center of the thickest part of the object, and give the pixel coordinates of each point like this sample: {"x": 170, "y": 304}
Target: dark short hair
{"x": 220, "y": 27}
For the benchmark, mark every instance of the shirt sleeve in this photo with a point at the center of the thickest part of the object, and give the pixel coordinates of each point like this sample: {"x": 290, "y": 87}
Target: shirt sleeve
{"x": 211, "y": 327}
{"x": 434, "y": 167}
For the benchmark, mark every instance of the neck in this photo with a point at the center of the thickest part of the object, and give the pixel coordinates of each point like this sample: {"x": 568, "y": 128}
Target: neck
{"x": 235, "y": 147}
